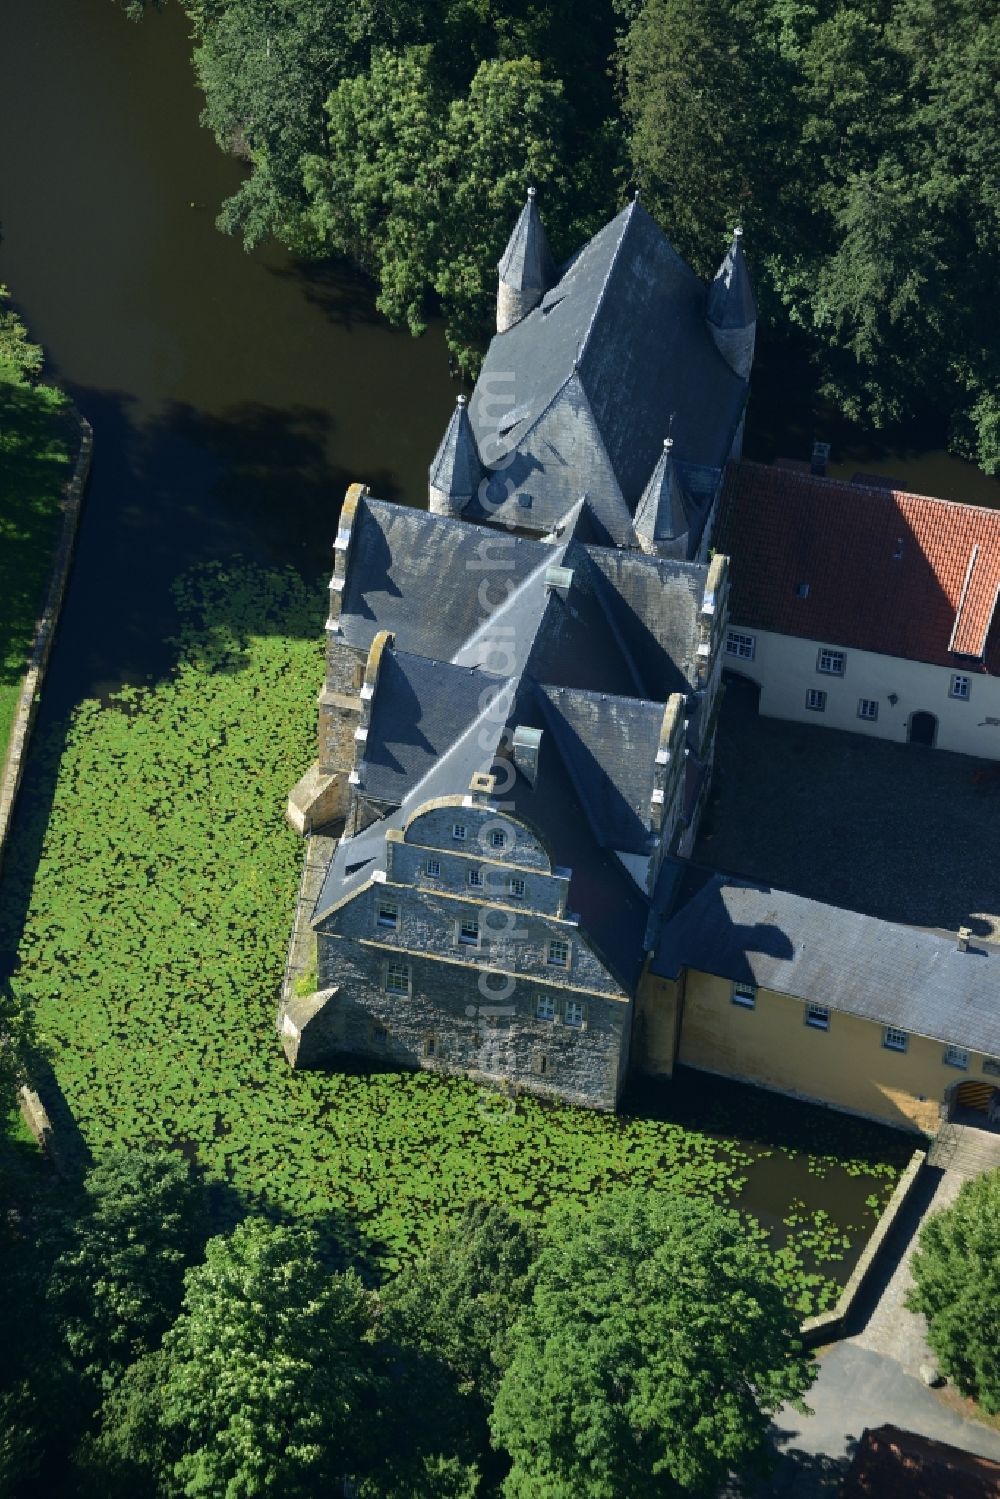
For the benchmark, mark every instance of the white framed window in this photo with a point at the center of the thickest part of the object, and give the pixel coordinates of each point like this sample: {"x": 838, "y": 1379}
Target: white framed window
{"x": 432, "y": 868}
{"x": 992, "y": 1066}
{"x": 397, "y": 977}
{"x": 575, "y": 1013}
{"x": 818, "y": 1016}
{"x": 558, "y": 954}
{"x": 459, "y": 832}
{"x": 476, "y": 877}
{"x": 816, "y": 699}
{"x": 868, "y": 708}
{"x": 468, "y": 932}
{"x": 960, "y": 687}
{"x": 745, "y": 995}
{"x": 741, "y": 645}
{"x": 515, "y": 885}
{"x": 831, "y": 663}
{"x": 893, "y": 1039}
{"x": 956, "y": 1056}
{"x": 545, "y": 1007}
{"x": 498, "y": 839}
{"x": 388, "y": 914}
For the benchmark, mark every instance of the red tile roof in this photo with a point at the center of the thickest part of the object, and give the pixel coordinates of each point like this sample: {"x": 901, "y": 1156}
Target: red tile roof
{"x": 877, "y": 569}
{"x": 894, "y": 1464}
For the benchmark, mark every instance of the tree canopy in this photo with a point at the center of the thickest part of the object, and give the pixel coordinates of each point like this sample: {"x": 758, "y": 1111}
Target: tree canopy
{"x": 857, "y": 144}
{"x": 956, "y": 1284}
{"x": 651, "y": 1356}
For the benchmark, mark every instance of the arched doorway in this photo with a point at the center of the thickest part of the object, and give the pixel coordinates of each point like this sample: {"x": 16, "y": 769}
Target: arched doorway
{"x": 922, "y": 729}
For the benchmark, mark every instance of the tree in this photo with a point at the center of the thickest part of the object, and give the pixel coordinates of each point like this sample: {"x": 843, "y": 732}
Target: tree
{"x": 956, "y": 1284}
{"x": 463, "y": 1301}
{"x": 117, "y": 1286}
{"x": 263, "y": 1382}
{"x": 654, "y": 1349}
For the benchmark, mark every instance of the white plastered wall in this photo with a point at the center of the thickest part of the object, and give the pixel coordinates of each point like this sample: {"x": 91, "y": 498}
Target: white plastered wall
{"x": 785, "y": 668}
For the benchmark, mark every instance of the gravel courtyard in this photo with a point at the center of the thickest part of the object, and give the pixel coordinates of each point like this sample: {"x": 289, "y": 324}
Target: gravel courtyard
{"x": 895, "y": 830}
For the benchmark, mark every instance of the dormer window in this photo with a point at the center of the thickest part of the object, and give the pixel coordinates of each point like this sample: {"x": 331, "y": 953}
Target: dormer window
{"x": 388, "y": 914}
{"x": 459, "y": 832}
{"x": 498, "y": 839}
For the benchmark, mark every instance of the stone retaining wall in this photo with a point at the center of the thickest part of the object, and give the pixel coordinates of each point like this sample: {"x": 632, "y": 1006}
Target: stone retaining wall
{"x": 831, "y": 1325}
{"x": 45, "y": 628}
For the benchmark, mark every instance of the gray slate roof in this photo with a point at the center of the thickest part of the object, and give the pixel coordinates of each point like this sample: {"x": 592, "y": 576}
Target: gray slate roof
{"x": 456, "y": 468}
{"x": 893, "y": 975}
{"x": 730, "y": 297}
{"x": 527, "y": 262}
{"x": 420, "y": 708}
{"x": 608, "y": 745}
{"x": 662, "y": 513}
{"x": 582, "y": 390}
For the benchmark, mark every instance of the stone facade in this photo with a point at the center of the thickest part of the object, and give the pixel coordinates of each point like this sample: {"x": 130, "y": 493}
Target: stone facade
{"x": 491, "y": 979}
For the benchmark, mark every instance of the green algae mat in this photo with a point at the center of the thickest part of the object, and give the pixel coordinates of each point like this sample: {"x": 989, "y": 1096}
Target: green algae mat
{"x": 152, "y": 947}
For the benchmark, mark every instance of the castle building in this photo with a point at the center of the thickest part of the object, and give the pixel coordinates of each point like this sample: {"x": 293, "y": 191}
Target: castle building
{"x": 518, "y": 714}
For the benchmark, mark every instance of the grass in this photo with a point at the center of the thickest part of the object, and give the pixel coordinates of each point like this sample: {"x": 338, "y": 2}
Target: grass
{"x": 153, "y": 946}
{"x": 34, "y": 466}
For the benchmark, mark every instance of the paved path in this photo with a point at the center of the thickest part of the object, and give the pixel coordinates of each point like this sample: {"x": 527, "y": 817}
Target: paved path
{"x": 872, "y": 1378}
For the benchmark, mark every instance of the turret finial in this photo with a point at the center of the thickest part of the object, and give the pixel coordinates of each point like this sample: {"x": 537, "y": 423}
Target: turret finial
{"x": 462, "y": 400}
{"x": 532, "y": 192}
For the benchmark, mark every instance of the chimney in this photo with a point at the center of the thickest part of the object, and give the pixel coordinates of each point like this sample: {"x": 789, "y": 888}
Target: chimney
{"x": 558, "y": 580}
{"x": 820, "y": 459}
{"x": 964, "y": 933}
{"x": 527, "y": 744}
{"x": 481, "y": 789}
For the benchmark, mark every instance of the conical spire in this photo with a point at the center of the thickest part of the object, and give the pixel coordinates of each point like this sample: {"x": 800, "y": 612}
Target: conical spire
{"x": 456, "y": 470}
{"x": 662, "y": 522}
{"x": 732, "y": 311}
{"x": 526, "y": 267}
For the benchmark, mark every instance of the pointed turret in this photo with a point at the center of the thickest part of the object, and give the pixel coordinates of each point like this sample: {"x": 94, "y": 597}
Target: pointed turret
{"x": 732, "y": 312}
{"x": 456, "y": 470}
{"x": 662, "y": 518}
{"x": 527, "y": 269}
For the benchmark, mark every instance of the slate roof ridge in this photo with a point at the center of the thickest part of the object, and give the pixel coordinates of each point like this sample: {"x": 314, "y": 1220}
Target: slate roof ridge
{"x": 590, "y": 694}
{"x": 627, "y": 215}
{"x": 553, "y": 558}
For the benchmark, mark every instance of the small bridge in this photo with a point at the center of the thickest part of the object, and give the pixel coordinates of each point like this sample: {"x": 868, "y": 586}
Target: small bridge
{"x": 965, "y": 1149}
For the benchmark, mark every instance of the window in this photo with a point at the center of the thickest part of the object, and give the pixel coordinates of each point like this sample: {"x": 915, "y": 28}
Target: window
{"x": 539, "y": 1064}
{"x": 475, "y": 877}
{"x": 432, "y": 868}
{"x": 738, "y": 644}
{"x": 831, "y": 663}
{"x": 359, "y": 675}
{"x": 992, "y": 1066}
{"x": 574, "y": 1013}
{"x": 515, "y": 886}
{"x": 816, "y": 699}
{"x": 893, "y": 1039}
{"x": 802, "y": 592}
{"x": 524, "y": 500}
{"x": 868, "y": 708}
{"x": 397, "y": 978}
{"x": 388, "y": 913}
{"x": 746, "y": 995}
{"x": 379, "y": 1035}
{"x": 498, "y": 839}
{"x": 468, "y": 932}
{"x": 430, "y": 1046}
{"x": 458, "y": 832}
{"x": 818, "y": 1016}
{"x": 545, "y": 1007}
{"x": 558, "y": 954}
{"x": 956, "y": 1056}
{"x": 960, "y": 687}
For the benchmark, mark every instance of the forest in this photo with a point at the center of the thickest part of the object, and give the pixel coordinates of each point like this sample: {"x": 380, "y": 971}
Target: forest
{"x": 857, "y": 144}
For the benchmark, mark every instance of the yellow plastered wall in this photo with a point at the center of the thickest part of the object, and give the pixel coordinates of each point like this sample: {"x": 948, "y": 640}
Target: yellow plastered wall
{"x": 657, "y": 1016}
{"x": 846, "y": 1066}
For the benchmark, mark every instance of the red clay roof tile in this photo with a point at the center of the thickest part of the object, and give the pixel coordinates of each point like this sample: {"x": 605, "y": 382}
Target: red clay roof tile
{"x": 885, "y": 570}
